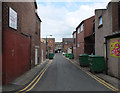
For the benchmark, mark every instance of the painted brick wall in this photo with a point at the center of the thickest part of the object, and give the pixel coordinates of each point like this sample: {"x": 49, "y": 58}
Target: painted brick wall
{"x": 16, "y": 55}
{"x": 26, "y": 21}
{"x": 28, "y": 25}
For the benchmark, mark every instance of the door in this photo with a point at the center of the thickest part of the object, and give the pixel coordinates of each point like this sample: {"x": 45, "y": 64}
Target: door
{"x": 42, "y": 55}
{"x": 36, "y": 58}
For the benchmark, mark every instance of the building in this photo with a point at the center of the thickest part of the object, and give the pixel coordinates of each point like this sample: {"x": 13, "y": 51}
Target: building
{"x": 43, "y": 50}
{"x": 58, "y": 47}
{"x": 21, "y": 39}
{"x": 67, "y": 43}
{"x": 50, "y": 45}
{"x": 107, "y": 37}
{"x": 75, "y": 44}
{"x": 85, "y": 37}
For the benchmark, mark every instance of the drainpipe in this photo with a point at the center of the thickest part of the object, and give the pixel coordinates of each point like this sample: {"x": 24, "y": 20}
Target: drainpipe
{"x": 106, "y": 59}
{"x": 0, "y": 46}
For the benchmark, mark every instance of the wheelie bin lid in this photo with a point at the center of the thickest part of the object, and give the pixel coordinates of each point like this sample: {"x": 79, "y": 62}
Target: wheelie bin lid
{"x": 83, "y": 55}
{"x": 95, "y": 56}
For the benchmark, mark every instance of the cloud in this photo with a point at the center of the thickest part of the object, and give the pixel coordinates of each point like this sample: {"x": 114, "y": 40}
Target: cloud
{"x": 61, "y": 21}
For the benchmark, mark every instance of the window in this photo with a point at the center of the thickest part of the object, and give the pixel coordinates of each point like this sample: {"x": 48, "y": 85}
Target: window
{"x": 74, "y": 35}
{"x": 78, "y": 31}
{"x": 100, "y": 20}
{"x": 78, "y": 45}
{"x": 81, "y": 27}
{"x": 51, "y": 45}
{"x": 50, "y": 41}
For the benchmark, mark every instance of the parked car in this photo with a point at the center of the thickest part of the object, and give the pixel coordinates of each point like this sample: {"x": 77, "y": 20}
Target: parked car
{"x": 63, "y": 53}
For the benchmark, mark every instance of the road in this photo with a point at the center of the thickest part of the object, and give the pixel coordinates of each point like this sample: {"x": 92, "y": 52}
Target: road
{"x": 62, "y": 75}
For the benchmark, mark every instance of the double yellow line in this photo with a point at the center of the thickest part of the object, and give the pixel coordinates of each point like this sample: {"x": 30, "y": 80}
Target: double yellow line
{"x": 97, "y": 78}
{"x": 32, "y": 84}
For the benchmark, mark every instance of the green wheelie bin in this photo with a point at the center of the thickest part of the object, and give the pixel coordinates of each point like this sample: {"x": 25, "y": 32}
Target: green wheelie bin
{"x": 83, "y": 60}
{"x": 97, "y": 63}
{"x": 51, "y": 55}
{"x": 67, "y": 55}
{"x": 70, "y": 55}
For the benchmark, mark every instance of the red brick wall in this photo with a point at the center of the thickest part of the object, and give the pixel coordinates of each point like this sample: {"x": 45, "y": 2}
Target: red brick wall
{"x": 88, "y": 26}
{"x": 27, "y": 24}
{"x": 16, "y": 55}
{"x": 67, "y": 46}
{"x": 74, "y": 46}
{"x": 80, "y": 41}
{"x": 26, "y": 21}
{"x": 53, "y": 44}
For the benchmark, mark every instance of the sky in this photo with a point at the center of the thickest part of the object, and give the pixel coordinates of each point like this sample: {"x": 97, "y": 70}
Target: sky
{"x": 60, "y": 18}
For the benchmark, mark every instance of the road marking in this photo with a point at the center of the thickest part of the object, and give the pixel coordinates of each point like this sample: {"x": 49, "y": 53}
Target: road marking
{"x": 96, "y": 78}
{"x": 36, "y": 78}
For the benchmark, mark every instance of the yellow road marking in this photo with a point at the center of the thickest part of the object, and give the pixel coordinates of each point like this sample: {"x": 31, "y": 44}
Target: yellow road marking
{"x": 96, "y": 78}
{"x": 104, "y": 83}
{"x": 35, "y": 78}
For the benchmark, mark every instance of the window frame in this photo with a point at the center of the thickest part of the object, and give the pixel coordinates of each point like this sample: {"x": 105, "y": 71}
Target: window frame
{"x": 81, "y": 28}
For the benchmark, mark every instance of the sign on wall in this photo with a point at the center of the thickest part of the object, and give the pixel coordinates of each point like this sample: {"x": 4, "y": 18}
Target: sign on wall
{"x": 115, "y": 47}
{"x": 12, "y": 18}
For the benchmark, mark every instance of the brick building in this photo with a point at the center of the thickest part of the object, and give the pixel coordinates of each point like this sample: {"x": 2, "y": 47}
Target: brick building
{"x": 50, "y": 45}
{"x": 85, "y": 37}
{"x": 67, "y": 43}
{"x": 43, "y": 50}
{"x": 74, "y": 44}
{"x": 107, "y": 36}
{"x": 58, "y": 47}
{"x": 21, "y": 38}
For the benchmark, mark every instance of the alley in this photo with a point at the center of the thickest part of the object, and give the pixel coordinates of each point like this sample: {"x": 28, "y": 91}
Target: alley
{"x": 62, "y": 75}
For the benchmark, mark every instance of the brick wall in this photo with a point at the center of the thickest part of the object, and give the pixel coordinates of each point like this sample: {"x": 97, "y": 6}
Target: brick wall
{"x": 66, "y": 46}
{"x": 80, "y": 41}
{"x": 74, "y": 45}
{"x": 27, "y": 23}
{"x": 88, "y": 26}
{"x": 51, "y": 45}
{"x": 43, "y": 48}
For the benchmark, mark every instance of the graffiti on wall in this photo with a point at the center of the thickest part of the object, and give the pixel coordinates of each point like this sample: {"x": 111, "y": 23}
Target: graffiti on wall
{"x": 115, "y": 47}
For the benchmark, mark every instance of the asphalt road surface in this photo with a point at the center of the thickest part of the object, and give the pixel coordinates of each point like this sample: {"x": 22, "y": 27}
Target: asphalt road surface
{"x": 62, "y": 75}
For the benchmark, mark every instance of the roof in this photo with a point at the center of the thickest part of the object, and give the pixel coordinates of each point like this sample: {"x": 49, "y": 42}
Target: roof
{"x": 114, "y": 35}
{"x": 69, "y": 40}
{"x": 35, "y": 4}
{"x": 38, "y": 17}
{"x": 74, "y": 32}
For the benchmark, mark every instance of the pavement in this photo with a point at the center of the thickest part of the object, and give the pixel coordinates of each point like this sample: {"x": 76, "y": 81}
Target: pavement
{"x": 62, "y": 75}
{"x": 25, "y": 78}
{"x": 110, "y": 79}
